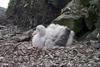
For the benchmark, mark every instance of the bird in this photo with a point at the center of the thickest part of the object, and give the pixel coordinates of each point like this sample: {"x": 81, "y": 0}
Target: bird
{"x": 52, "y": 33}
{"x": 52, "y": 36}
{"x": 38, "y": 38}
{"x": 58, "y": 35}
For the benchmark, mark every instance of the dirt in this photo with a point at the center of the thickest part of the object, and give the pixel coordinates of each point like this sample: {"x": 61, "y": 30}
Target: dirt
{"x": 15, "y": 52}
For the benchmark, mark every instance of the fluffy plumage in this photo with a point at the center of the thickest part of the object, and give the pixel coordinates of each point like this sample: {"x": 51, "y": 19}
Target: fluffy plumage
{"x": 38, "y": 39}
{"x": 53, "y": 32}
{"x": 52, "y": 36}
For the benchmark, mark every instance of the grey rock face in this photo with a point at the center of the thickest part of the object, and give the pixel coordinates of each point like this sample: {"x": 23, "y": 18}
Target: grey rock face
{"x": 30, "y": 13}
{"x": 2, "y": 12}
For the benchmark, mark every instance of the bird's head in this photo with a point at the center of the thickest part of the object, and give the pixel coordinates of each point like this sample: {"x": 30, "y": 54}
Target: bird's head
{"x": 41, "y": 30}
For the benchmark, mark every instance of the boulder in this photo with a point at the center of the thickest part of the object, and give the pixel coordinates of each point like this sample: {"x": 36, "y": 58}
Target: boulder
{"x": 30, "y": 13}
{"x": 25, "y": 36}
{"x": 80, "y": 16}
{"x": 73, "y": 16}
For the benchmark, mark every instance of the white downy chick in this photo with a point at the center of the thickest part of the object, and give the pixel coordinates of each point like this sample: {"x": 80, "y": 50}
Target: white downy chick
{"x": 38, "y": 39}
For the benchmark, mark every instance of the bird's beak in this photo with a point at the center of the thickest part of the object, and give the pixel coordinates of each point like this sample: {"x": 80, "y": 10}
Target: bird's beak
{"x": 34, "y": 33}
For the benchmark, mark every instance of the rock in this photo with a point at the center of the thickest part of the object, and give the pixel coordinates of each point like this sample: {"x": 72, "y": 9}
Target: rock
{"x": 28, "y": 14}
{"x": 21, "y": 38}
{"x": 58, "y": 4}
{"x": 1, "y": 58}
{"x": 97, "y": 24}
{"x": 73, "y": 16}
{"x": 94, "y": 35}
{"x": 67, "y": 20}
{"x": 2, "y": 27}
{"x": 2, "y": 12}
{"x": 3, "y": 20}
{"x": 97, "y": 45}
{"x": 80, "y": 15}
{"x": 1, "y": 35}
{"x": 29, "y": 32}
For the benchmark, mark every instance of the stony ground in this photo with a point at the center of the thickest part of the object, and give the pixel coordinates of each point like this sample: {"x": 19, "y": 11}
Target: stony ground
{"x": 16, "y": 51}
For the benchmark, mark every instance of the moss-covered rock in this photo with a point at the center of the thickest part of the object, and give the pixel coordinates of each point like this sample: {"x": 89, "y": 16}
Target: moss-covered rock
{"x": 95, "y": 34}
{"x": 73, "y": 16}
{"x": 94, "y": 17}
{"x": 67, "y": 20}
{"x": 80, "y": 15}
{"x": 97, "y": 24}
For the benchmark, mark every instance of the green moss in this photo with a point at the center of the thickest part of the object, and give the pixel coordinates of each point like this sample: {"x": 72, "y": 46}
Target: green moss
{"x": 85, "y": 2}
{"x": 67, "y": 22}
{"x": 76, "y": 26}
{"x": 97, "y": 24}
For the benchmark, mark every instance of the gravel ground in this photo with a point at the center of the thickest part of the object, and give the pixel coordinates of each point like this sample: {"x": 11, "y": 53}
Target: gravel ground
{"x": 22, "y": 54}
